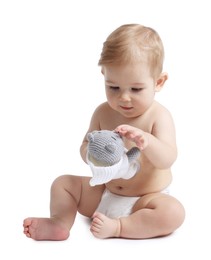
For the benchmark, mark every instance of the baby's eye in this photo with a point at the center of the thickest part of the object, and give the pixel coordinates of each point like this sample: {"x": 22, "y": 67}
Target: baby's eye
{"x": 136, "y": 89}
{"x": 114, "y": 88}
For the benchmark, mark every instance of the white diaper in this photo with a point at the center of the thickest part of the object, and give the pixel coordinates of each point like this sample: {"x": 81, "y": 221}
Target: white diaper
{"x": 116, "y": 206}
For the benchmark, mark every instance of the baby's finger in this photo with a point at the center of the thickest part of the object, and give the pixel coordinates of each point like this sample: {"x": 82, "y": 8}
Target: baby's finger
{"x": 121, "y": 130}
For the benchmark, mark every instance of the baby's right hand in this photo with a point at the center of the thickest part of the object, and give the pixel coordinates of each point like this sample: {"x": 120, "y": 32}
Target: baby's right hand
{"x": 139, "y": 137}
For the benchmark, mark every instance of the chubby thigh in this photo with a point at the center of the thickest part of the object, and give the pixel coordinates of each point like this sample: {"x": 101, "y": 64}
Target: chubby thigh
{"x": 89, "y": 197}
{"x": 163, "y": 203}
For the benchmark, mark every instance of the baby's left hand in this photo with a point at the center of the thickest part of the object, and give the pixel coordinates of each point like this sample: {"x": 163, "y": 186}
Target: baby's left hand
{"x": 139, "y": 137}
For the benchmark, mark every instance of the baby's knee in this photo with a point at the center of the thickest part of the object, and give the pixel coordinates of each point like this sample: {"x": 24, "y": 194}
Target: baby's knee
{"x": 178, "y": 212}
{"x": 58, "y": 181}
{"x": 173, "y": 216}
{"x": 66, "y": 182}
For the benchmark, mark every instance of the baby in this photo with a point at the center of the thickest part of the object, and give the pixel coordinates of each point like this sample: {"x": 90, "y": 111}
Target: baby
{"x": 141, "y": 206}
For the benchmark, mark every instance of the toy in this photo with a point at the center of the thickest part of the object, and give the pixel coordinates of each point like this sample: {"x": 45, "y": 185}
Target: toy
{"x": 109, "y": 159}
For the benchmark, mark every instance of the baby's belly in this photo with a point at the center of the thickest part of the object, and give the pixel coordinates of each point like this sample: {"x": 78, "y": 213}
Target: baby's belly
{"x": 141, "y": 184}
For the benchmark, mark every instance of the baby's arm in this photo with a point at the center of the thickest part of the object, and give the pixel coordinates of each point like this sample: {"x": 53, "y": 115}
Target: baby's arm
{"x": 160, "y": 152}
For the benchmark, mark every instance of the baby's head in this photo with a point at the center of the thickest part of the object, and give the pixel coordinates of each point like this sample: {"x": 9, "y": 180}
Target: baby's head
{"x": 131, "y": 43}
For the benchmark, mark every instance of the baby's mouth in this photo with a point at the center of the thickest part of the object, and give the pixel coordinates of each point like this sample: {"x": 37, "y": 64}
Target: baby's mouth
{"x": 126, "y": 108}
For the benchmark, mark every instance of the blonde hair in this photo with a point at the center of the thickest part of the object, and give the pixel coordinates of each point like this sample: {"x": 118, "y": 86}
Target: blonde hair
{"x": 134, "y": 43}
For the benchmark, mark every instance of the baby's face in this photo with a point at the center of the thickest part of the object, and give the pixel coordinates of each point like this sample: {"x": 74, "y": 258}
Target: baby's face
{"x": 130, "y": 89}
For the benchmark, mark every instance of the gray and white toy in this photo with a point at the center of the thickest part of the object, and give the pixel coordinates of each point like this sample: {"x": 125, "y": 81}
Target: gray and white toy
{"x": 109, "y": 159}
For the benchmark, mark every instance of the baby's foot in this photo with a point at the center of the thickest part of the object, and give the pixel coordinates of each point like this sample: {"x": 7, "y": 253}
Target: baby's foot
{"x": 105, "y": 227}
{"x": 44, "y": 229}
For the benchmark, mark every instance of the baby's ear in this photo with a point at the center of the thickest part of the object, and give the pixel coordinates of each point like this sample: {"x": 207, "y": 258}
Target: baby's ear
{"x": 160, "y": 81}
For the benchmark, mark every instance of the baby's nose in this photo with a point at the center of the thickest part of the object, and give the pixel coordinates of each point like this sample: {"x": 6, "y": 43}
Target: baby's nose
{"x": 125, "y": 96}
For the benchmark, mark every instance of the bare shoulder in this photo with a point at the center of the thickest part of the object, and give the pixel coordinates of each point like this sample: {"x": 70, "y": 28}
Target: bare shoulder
{"x": 101, "y": 112}
{"x": 101, "y": 117}
{"x": 107, "y": 117}
{"x": 156, "y": 117}
{"x": 163, "y": 123}
{"x": 158, "y": 107}
{"x": 101, "y": 109}
{"x": 161, "y": 113}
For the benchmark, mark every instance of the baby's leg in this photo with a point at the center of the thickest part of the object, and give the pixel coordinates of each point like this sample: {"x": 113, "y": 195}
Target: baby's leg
{"x": 68, "y": 194}
{"x": 153, "y": 215}
{"x": 63, "y": 208}
{"x": 105, "y": 227}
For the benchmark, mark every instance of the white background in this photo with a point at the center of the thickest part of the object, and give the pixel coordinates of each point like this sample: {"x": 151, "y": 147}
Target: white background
{"x": 49, "y": 86}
